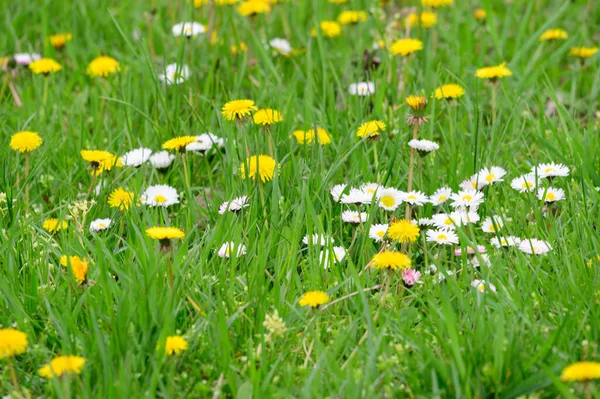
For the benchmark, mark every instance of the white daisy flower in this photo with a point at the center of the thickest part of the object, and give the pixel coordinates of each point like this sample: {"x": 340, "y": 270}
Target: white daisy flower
{"x": 327, "y": 258}
{"x": 491, "y": 175}
{"x": 362, "y": 89}
{"x": 161, "y": 159}
{"x": 160, "y": 195}
{"x": 466, "y": 216}
{"x": 534, "y": 246}
{"x": 354, "y": 217}
{"x": 337, "y": 191}
{"x": 550, "y": 194}
{"x": 356, "y": 196}
{"x": 235, "y": 205}
{"x": 424, "y": 145}
{"x": 492, "y": 224}
{"x": 470, "y": 198}
{"x": 281, "y": 46}
{"x": 100, "y": 224}
{"x": 525, "y": 183}
{"x": 473, "y": 183}
{"x": 474, "y": 261}
{"x": 440, "y": 196}
{"x": 371, "y": 188}
{"x": 205, "y": 142}
{"x": 550, "y": 170}
{"x": 231, "y": 249}
{"x": 188, "y": 29}
{"x": 482, "y": 285}
{"x": 174, "y": 74}
{"x": 425, "y": 222}
{"x": 318, "y": 239}
{"x": 444, "y": 237}
{"x": 510, "y": 241}
{"x": 136, "y": 157}
{"x": 389, "y": 199}
{"x": 378, "y": 231}
{"x": 26, "y": 58}
{"x": 415, "y": 198}
{"x": 446, "y": 221}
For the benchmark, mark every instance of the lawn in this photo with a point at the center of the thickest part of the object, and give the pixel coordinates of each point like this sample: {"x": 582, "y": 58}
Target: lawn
{"x": 301, "y": 198}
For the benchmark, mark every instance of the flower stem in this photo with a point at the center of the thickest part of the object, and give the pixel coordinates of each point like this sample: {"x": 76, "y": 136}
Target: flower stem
{"x": 411, "y": 171}
{"x": 386, "y": 289}
{"x": 92, "y": 183}
{"x": 45, "y": 95}
{"x": 26, "y": 180}
{"x": 493, "y": 104}
{"x": 13, "y": 376}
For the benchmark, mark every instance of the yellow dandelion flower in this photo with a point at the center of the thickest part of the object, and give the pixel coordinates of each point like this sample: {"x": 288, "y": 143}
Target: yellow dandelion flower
{"x": 253, "y": 7}
{"x": 370, "y": 129}
{"x": 328, "y": 29}
{"x": 59, "y": 40}
{"x": 25, "y": 141}
{"x": 66, "y": 261}
{"x": 103, "y": 66}
{"x": 390, "y": 260}
{"x": 62, "y": 365}
{"x": 403, "y": 231}
{"x": 480, "y": 14}
{"x": 100, "y": 160}
{"x": 12, "y": 342}
{"x": 416, "y": 103}
{"x": 53, "y": 225}
{"x": 437, "y": 3}
{"x": 581, "y": 371}
{"x": 406, "y": 46}
{"x": 239, "y": 48}
{"x": 493, "y": 72}
{"x": 352, "y": 17}
{"x": 178, "y": 143}
{"x": 261, "y": 166}
{"x": 308, "y": 137}
{"x": 426, "y": 19}
{"x": 553, "y": 34}
{"x": 175, "y": 344}
{"x": 267, "y": 117}
{"x": 164, "y": 233}
{"x": 449, "y": 91}
{"x": 121, "y": 198}
{"x": 80, "y": 270}
{"x": 314, "y": 299}
{"x": 44, "y": 66}
{"x": 583, "y": 52}
{"x": 238, "y": 109}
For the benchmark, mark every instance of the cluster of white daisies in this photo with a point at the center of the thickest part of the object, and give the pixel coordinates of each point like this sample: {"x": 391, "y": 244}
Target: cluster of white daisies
{"x": 464, "y": 205}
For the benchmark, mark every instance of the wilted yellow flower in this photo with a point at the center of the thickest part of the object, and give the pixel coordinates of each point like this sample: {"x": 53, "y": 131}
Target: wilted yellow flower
{"x": 308, "y": 137}
{"x": 314, "y": 299}
{"x": 390, "y": 260}
{"x": 253, "y": 7}
{"x": 178, "y": 143}
{"x": 12, "y": 342}
{"x": 583, "y": 52}
{"x": 62, "y": 365}
{"x": 59, "y": 40}
{"x": 52, "y": 225}
{"x": 581, "y": 371}
{"x": 406, "y": 46}
{"x": 267, "y": 117}
{"x": 352, "y": 17}
{"x": 121, "y": 198}
{"x": 44, "y": 66}
{"x": 238, "y": 109}
{"x": 103, "y": 66}
{"x": 493, "y": 72}
{"x": 261, "y": 166}
{"x": 175, "y": 344}
{"x": 25, "y": 141}
{"x": 328, "y": 29}
{"x": 370, "y": 129}
{"x": 449, "y": 91}
{"x": 554, "y": 34}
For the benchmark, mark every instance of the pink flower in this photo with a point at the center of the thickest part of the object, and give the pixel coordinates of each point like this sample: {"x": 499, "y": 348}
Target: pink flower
{"x": 480, "y": 249}
{"x": 411, "y": 277}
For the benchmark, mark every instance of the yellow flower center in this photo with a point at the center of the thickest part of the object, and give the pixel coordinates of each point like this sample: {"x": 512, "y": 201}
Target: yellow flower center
{"x": 473, "y": 184}
{"x": 467, "y": 198}
{"x": 481, "y": 287}
{"x": 526, "y": 185}
{"x": 548, "y": 170}
{"x": 442, "y": 237}
{"x": 442, "y": 198}
{"x": 550, "y": 197}
{"x": 448, "y": 221}
{"x": 411, "y": 197}
{"x": 160, "y": 199}
{"x": 387, "y": 200}
{"x": 380, "y": 233}
{"x": 492, "y": 228}
{"x": 490, "y": 177}
{"x": 101, "y": 225}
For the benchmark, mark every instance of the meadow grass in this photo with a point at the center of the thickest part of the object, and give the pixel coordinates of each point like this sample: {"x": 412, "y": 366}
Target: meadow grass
{"x": 431, "y": 340}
